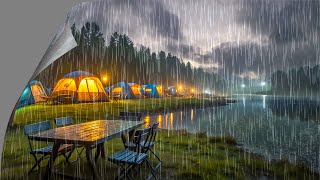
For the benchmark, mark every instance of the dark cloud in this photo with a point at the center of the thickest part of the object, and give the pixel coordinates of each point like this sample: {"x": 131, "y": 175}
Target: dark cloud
{"x": 248, "y": 38}
{"x": 149, "y": 17}
{"x": 282, "y": 21}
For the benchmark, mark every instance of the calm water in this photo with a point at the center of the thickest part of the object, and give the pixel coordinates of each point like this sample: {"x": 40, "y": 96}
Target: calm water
{"x": 275, "y": 127}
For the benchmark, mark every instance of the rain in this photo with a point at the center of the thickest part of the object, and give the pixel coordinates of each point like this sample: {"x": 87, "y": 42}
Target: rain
{"x": 231, "y": 83}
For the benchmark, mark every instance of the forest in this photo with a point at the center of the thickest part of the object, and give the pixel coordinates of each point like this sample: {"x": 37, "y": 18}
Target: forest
{"x": 303, "y": 81}
{"x": 120, "y": 59}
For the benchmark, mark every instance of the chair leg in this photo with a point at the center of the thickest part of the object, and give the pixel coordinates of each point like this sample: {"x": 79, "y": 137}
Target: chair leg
{"x": 69, "y": 155}
{"x": 79, "y": 153}
{"x": 155, "y": 155}
{"x": 124, "y": 171}
{"x": 37, "y": 163}
{"x": 153, "y": 171}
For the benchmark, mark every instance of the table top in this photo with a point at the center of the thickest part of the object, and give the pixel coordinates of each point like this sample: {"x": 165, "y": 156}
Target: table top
{"x": 88, "y": 133}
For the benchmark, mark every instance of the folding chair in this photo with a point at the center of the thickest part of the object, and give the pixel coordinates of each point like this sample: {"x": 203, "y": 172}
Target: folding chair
{"x": 128, "y": 159}
{"x": 44, "y": 151}
{"x": 65, "y": 121}
{"x": 129, "y": 116}
{"x": 148, "y": 145}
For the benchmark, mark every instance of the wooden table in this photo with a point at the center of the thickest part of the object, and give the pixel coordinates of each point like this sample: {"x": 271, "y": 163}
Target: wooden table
{"x": 89, "y": 134}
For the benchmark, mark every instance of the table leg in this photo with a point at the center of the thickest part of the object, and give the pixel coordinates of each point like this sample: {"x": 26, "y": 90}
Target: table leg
{"x": 91, "y": 162}
{"x": 50, "y": 167}
{"x": 98, "y": 152}
{"x": 103, "y": 151}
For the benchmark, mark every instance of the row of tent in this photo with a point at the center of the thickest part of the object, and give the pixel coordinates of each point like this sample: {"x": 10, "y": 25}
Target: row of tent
{"x": 133, "y": 90}
{"x": 82, "y": 86}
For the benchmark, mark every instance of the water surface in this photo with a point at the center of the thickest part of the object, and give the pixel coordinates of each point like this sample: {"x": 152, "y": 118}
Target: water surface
{"x": 275, "y": 127}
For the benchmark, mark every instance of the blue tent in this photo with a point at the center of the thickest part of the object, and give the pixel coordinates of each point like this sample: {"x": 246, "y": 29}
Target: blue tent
{"x": 142, "y": 89}
{"x": 153, "y": 90}
{"x": 32, "y": 94}
{"x": 107, "y": 89}
{"x": 123, "y": 89}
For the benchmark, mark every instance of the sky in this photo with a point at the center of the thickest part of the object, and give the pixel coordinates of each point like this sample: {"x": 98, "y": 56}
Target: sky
{"x": 241, "y": 40}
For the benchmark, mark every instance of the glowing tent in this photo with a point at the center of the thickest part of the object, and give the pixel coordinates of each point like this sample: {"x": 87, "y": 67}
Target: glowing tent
{"x": 123, "y": 90}
{"x": 153, "y": 90}
{"x": 32, "y": 94}
{"x": 172, "y": 90}
{"x": 136, "y": 89}
{"x": 81, "y": 86}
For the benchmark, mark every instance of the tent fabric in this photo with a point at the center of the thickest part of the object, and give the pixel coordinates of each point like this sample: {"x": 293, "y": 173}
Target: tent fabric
{"x": 153, "y": 90}
{"x": 122, "y": 89}
{"x": 136, "y": 89}
{"x": 81, "y": 86}
{"x": 172, "y": 90}
{"x": 32, "y": 94}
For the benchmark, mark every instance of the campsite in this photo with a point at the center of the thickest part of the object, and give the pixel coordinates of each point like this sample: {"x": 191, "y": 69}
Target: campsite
{"x": 82, "y": 87}
{"x": 172, "y": 101}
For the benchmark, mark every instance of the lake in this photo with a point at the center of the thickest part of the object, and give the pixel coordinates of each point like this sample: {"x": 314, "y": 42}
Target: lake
{"x": 275, "y": 127}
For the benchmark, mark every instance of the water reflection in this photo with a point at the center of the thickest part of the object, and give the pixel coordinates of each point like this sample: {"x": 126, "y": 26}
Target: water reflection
{"x": 302, "y": 109}
{"x": 276, "y": 128}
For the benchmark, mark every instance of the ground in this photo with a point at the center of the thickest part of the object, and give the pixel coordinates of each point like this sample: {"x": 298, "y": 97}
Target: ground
{"x": 184, "y": 155}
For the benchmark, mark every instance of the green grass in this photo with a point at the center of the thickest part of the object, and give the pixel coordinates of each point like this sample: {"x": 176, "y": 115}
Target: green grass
{"x": 91, "y": 111}
{"x": 184, "y": 155}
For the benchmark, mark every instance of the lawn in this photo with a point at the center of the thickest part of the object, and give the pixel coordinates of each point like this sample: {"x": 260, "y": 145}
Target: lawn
{"x": 106, "y": 110}
{"x": 184, "y": 155}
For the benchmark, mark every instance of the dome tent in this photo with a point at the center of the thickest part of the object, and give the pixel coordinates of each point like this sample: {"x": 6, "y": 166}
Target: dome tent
{"x": 153, "y": 90}
{"x": 123, "y": 89}
{"x": 81, "y": 86}
{"x": 172, "y": 90}
{"x": 136, "y": 89}
{"x": 32, "y": 94}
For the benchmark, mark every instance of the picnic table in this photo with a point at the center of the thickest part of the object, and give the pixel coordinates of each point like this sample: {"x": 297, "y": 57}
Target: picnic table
{"x": 89, "y": 134}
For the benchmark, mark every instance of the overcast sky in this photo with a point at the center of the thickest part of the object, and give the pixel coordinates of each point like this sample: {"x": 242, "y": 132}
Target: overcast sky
{"x": 239, "y": 39}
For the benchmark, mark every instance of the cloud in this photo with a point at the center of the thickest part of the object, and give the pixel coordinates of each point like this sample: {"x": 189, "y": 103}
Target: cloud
{"x": 245, "y": 39}
{"x": 282, "y": 21}
{"x": 136, "y": 18}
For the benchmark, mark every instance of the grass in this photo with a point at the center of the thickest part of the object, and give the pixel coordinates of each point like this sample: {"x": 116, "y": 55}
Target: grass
{"x": 185, "y": 155}
{"x": 91, "y": 111}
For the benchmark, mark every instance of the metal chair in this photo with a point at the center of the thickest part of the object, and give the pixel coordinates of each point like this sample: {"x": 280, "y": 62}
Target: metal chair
{"x": 127, "y": 159}
{"x": 44, "y": 151}
{"x": 66, "y": 121}
{"x": 148, "y": 145}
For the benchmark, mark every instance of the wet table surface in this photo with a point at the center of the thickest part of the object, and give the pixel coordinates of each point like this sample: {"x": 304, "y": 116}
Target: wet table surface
{"x": 90, "y": 134}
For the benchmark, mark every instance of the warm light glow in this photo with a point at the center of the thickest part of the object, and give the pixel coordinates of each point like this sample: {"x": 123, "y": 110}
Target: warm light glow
{"x": 192, "y": 90}
{"x": 160, "y": 120}
{"x": 147, "y": 120}
{"x": 180, "y": 87}
{"x": 104, "y": 78}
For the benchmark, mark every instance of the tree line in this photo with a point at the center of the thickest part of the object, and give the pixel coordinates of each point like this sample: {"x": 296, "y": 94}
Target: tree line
{"x": 297, "y": 81}
{"x": 120, "y": 60}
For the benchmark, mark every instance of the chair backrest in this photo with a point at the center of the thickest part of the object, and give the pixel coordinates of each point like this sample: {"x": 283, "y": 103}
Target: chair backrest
{"x": 130, "y": 115}
{"x": 154, "y": 130}
{"x": 63, "y": 121}
{"x": 37, "y": 127}
{"x": 141, "y": 138}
